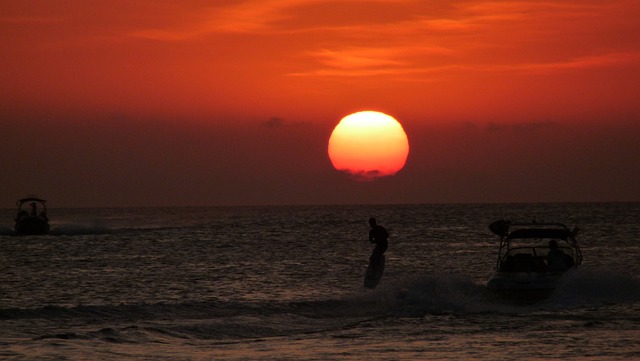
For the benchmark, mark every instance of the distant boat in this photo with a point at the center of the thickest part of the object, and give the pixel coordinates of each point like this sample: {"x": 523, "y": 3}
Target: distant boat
{"x": 533, "y": 257}
{"x": 34, "y": 220}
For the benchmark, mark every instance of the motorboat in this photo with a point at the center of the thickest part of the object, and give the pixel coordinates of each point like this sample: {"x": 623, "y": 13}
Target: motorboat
{"x": 31, "y": 217}
{"x": 533, "y": 257}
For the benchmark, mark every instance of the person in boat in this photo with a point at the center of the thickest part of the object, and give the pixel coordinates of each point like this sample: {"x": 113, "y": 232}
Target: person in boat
{"x": 22, "y": 214}
{"x": 557, "y": 260}
{"x": 379, "y": 236}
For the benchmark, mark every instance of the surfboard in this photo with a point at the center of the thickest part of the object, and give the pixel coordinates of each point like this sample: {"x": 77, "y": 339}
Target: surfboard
{"x": 374, "y": 273}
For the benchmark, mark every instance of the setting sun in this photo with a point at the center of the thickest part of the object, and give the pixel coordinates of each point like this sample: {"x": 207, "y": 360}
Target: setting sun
{"x": 368, "y": 145}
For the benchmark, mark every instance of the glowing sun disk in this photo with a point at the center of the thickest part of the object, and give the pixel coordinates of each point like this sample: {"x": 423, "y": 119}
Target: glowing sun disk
{"x": 368, "y": 145}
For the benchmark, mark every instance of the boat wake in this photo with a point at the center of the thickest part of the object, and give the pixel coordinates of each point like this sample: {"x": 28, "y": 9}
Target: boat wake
{"x": 6, "y": 231}
{"x": 593, "y": 287}
{"x": 98, "y": 227}
{"x": 432, "y": 296}
{"x": 440, "y": 294}
{"x": 80, "y": 228}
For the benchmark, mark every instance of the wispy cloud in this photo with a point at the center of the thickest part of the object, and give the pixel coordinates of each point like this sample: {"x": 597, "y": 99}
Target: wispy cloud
{"x": 415, "y": 41}
{"x": 359, "y": 58}
{"x": 30, "y": 20}
{"x": 480, "y": 36}
{"x": 365, "y": 176}
{"x": 278, "y": 123}
{"x": 274, "y": 123}
{"x": 165, "y": 35}
{"x": 243, "y": 17}
{"x": 341, "y": 65}
{"x": 367, "y": 61}
{"x": 577, "y": 63}
{"x": 247, "y": 17}
{"x": 520, "y": 127}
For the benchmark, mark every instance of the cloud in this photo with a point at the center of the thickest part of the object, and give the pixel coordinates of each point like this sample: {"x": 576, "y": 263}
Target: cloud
{"x": 30, "y": 20}
{"x": 274, "y": 122}
{"x": 368, "y": 61}
{"x": 281, "y": 123}
{"x": 520, "y": 127}
{"x": 248, "y": 17}
{"x": 418, "y": 39}
{"x": 349, "y": 65}
{"x": 165, "y": 35}
{"x": 358, "y": 58}
{"x": 577, "y": 63}
{"x": 482, "y": 37}
{"x": 365, "y": 176}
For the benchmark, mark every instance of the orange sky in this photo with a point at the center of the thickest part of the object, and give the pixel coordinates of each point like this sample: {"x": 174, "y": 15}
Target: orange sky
{"x": 232, "y": 102}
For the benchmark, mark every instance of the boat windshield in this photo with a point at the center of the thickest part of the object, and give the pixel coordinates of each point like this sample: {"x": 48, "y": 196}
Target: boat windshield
{"x": 535, "y": 259}
{"x": 31, "y": 206}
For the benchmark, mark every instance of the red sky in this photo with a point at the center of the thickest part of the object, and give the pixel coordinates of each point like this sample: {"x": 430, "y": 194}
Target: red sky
{"x": 125, "y": 103}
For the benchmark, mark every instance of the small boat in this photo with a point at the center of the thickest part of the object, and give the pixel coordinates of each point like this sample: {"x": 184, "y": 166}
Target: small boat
{"x": 533, "y": 257}
{"x": 34, "y": 220}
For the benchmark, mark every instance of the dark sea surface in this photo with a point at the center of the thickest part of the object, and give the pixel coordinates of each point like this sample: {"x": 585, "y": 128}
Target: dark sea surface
{"x": 285, "y": 283}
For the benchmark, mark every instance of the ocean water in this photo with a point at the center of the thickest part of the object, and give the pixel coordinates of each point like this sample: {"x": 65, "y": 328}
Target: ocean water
{"x": 285, "y": 283}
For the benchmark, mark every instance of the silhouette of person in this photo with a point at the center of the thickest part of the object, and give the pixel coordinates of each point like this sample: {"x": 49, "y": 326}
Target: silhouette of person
{"x": 379, "y": 236}
{"x": 34, "y": 211}
{"x": 556, "y": 258}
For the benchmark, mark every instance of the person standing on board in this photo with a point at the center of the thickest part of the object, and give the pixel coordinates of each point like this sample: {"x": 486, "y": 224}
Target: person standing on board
{"x": 379, "y": 236}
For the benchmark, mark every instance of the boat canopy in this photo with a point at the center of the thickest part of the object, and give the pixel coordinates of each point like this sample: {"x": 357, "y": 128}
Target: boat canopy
{"x": 561, "y": 233}
{"x": 509, "y": 231}
{"x": 32, "y": 199}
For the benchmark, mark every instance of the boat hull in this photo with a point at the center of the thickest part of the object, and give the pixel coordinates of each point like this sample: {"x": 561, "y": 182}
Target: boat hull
{"x": 31, "y": 226}
{"x": 524, "y": 286}
{"x": 515, "y": 281}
